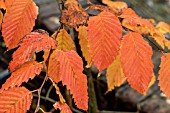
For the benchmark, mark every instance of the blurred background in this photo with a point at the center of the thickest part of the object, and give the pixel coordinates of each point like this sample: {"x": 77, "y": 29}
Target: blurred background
{"x": 123, "y": 99}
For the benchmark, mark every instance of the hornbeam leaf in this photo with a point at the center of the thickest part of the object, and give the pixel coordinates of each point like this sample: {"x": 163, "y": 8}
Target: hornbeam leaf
{"x": 115, "y": 5}
{"x": 32, "y": 43}
{"x": 63, "y": 107}
{"x": 104, "y": 36}
{"x": 115, "y": 76}
{"x": 163, "y": 27}
{"x": 15, "y": 100}
{"x": 70, "y": 73}
{"x": 164, "y": 74}
{"x": 23, "y": 74}
{"x": 18, "y": 21}
{"x": 135, "y": 55}
{"x": 84, "y": 44}
{"x": 64, "y": 40}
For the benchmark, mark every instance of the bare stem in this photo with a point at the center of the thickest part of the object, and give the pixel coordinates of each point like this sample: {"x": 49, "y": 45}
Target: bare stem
{"x": 45, "y": 98}
{"x": 49, "y": 91}
{"x": 39, "y": 94}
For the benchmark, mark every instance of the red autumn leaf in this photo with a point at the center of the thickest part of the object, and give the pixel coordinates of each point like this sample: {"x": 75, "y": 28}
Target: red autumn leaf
{"x": 34, "y": 42}
{"x": 135, "y": 54}
{"x": 70, "y": 73}
{"x": 104, "y": 35}
{"x": 63, "y": 107}
{"x": 23, "y": 74}
{"x": 164, "y": 74}
{"x": 18, "y": 21}
{"x": 15, "y": 100}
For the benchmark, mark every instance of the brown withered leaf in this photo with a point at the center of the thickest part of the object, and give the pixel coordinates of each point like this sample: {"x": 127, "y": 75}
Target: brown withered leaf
{"x": 73, "y": 14}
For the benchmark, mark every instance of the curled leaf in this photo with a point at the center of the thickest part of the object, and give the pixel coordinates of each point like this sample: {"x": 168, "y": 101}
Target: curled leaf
{"x": 63, "y": 107}
{"x": 31, "y": 44}
{"x": 23, "y": 74}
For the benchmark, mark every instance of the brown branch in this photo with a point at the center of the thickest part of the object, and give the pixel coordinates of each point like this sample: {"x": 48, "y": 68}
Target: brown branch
{"x": 39, "y": 94}
{"x": 44, "y": 98}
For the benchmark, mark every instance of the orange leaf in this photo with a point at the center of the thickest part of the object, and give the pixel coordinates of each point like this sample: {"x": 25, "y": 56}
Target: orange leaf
{"x": 163, "y": 27}
{"x": 18, "y": 21}
{"x": 15, "y": 100}
{"x": 134, "y": 19}
{"x": 8, "y": 3}
{"x": 115, "y": 5}
{"x": 53, "y": 68}
{"x": 84, "y": 44}
{"x": 159, "y": 38}
{"x": 115, "y": 76}
{"x": 104, "y": 35}
{"x": 2, "y": 5}
{"x": 64, "y": 40}
{"x": 135, "y": 55}
{"x": 46, "y": 54}
{"x": 62, "y": 100}
{"x": 70, "y": 71}
{"x": 23, "y": 74}
{"x": 139, "y": 29}
{"x": 1, "y": 18}
{"x": 164, "y": 74}
{"x": 34, "y": 42}
{"x": 63, "y": 107}
{"x": 143, "y": 26}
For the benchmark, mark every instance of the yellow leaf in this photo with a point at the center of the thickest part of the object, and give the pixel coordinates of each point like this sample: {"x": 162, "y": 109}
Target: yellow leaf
{"x": 115, "y": 76}
{"x": 64, "y": 40}
{"x": 159, "y": 38}
{"x": 152, "y": 81}
{"x": 84, "y": 44}
{"x": 163, "y": 27}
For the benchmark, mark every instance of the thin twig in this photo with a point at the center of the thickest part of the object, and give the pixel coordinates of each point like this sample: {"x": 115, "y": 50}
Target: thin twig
{"x": 49, "y": 91}
{"x": 39, "y": 94}
{"x": 42, "y": 110}
{"x": 44, "y": 98}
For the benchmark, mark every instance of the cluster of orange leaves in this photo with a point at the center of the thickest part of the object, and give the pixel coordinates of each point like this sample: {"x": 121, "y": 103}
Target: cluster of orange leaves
{"x": 126, "y": 57}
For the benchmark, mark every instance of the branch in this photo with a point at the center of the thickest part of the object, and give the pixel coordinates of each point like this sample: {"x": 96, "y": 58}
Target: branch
{"x": 44, "y": 98}
{"x": 39, "y": 94}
